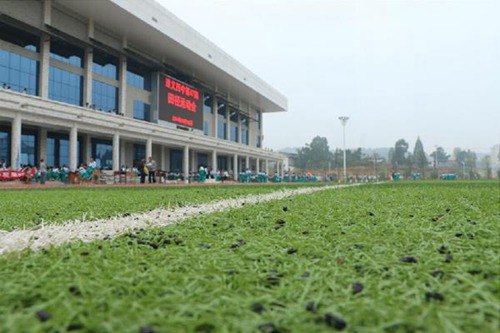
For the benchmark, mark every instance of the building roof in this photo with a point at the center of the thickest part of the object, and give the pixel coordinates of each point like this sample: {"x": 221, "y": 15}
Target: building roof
{"x": 151, "y": 29}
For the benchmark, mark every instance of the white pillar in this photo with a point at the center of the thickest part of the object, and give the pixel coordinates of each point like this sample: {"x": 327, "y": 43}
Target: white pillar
{"x": 163, "y": 159}
{"x": 122, "y": 93}
{"x": 149, "y": 148}
{"x": 192, "y": 161}
{"x": 87, "y": 149}
{"x": 228, "y": 123}
{"x": 185, "y": 164}
{"x": 257, "y": 165}
{"x": 87, "y": 77}
{"x": 116, "y": 151}
{"x": 216, "y": 115}
{"x": 214, "y": 160}
{"x": 73, "y": 147}
{"x": 43, "y": 78}
{"x": 235, "y": 167}
{"x": 247, "y": 162}
{"x": 167, "y": 159}
{"x": 123, "y": 154}
{"x": 47, "y": 11}
{"x": 267, "y": 166}
{"x": 15, "y": 154}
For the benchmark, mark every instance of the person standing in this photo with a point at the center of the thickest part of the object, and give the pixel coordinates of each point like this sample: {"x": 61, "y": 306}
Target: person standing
{"x": 152, "y": 170}
{"x": 43, "y": 171}
{"x": 143, "y": 170}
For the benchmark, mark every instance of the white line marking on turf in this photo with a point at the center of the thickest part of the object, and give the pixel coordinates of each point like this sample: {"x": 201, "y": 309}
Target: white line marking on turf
{"x": 55, "y": 235}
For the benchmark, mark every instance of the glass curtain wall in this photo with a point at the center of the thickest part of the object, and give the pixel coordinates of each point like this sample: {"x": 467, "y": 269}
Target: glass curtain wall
{"x": 19, "y": 68}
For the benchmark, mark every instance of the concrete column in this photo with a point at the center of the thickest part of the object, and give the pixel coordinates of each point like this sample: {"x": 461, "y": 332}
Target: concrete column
{"x": 123, "y": 154}
{"x": 257, "y": 164}
{"x": 266, "y": 163}
{"x": 43, "y": 78}
{"x": 47, "y": 12}
{"x": 149, "y": 148}
{"x": 116, "y": 151}
{"x": 15, "y": 153}
{"x": 185, "y": 164}
{"x": 42, "y": 151}
{"x": 122, "y": 93}
{"x": 163, "y": 161}
{"x": 215, "y": 114}
{"x": 238, "y": 132}
{"x": 87, "y": 149}
{"x": 235, "y": 167}
{"x": 87, "y": 77}
{"x": 73, "y": 147}
{"x": 247, "y": 162}
{"x": 214, "y": 160}
{"x": 192, "y": 161}
{"x": 228, "y": 123}
{"x": 167, "y": 159}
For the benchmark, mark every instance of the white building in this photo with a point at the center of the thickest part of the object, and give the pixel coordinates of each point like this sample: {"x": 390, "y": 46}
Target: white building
{"x": 121, "y": 80}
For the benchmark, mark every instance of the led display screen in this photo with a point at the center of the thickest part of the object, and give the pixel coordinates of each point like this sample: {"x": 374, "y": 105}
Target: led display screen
{"x": 180, "y": 103}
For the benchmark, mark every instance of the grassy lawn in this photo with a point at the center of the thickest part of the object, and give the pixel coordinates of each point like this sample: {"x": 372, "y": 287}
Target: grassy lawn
{"x": 399, "y": 257}
{"x": 26, "y": 209}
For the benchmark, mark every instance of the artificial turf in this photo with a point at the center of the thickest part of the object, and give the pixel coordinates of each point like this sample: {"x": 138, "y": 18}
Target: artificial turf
{"x": 404, "y": 257}
{"x": 26, "y": 209}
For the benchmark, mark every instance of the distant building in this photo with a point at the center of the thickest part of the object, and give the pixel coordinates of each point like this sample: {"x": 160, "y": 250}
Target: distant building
{"x": 123, "y": 80}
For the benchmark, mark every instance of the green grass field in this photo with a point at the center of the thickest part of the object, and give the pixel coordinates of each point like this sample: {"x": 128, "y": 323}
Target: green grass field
{"x": 398, "y": 257}
{"x": 26, "y": 209}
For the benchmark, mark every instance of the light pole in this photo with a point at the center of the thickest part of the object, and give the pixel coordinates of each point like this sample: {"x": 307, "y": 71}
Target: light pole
{"x": 343, "y": 121}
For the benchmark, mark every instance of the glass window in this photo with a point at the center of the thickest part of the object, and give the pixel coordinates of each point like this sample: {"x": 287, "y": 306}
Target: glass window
{"x": 28, "y": 148}
{"x": 139, "y": 152}
{"x": 206, "y": 128}
{"x": 67, "y": 53}
{"x": 18, "y": 73}
{"x": 19, "y": 37}
{"x": 104, "y": 96}
{"x": 65, "y": 86}
{"x": 233, "y": 115}
{"x": 138, "y": 76}
{"x": 222, "y": 162}
{"x": 202, "y": 159}
{"x": 258, "y": 143}
{"x": 5, "y": 146}
{"x": 176, "y": 160}
{"x": 244, "y": 121}
{"x": 244, "y": 136}
{"x": 234, "y": 132}
{"x": 142, "y": 111}
{"x": 105, "y": 65}
{"x": 102, "y": 152}
{"x": 207, "y": 103}
{"x": 221, "y": 109}
{"x": 221, "y": 129}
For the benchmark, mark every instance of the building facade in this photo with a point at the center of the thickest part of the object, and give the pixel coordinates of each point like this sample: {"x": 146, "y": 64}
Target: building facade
{"x": 122, "y": 80}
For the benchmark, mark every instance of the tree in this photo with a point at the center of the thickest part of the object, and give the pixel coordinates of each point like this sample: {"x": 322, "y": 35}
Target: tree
{"x": 419, "y": 157}
{"x": 465, "y": 160}
{"x": 439, "y": 156}
{"x": 400, "y": 150}
{"x": 486, "y": 166}
{"x": 315, "y": 155}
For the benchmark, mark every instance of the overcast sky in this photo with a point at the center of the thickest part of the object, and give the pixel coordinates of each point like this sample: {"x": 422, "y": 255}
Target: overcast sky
{"x": 397, "y": 69}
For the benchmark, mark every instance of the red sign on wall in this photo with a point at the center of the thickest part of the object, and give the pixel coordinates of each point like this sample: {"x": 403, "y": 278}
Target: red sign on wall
{"x": 179, "y": 103}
